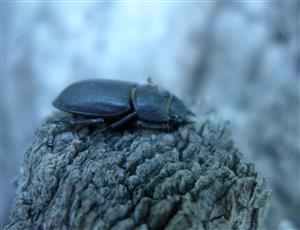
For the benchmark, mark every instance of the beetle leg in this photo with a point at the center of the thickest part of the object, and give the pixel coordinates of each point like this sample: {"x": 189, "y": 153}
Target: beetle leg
{"x": 122, "y": 121}
{"x": 148, "y": 125}
{"x": 88, "y": 121}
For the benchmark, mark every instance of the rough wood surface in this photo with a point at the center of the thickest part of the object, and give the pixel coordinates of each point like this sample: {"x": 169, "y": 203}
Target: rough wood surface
{"x": 190, "y": 178}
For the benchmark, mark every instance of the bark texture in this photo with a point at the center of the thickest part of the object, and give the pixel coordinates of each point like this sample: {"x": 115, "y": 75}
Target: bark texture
{"x": 190, "y": 178}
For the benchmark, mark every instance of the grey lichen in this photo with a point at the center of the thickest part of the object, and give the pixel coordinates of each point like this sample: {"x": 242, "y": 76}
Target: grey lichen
{"x": 189, "y": 178}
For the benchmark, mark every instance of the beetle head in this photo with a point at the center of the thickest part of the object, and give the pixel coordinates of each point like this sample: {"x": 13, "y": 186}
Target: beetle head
{"x": 178, "y": 111}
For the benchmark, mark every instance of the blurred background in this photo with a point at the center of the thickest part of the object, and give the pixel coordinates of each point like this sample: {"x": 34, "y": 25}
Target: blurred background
{"x": 241, "y": 57}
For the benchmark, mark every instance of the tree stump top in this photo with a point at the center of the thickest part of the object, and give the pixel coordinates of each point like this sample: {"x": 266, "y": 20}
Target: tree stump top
{"x": 189, "y": 178}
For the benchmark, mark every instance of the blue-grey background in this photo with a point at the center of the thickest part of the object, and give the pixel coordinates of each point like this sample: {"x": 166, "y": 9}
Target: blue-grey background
{"x": 242, "y": 57}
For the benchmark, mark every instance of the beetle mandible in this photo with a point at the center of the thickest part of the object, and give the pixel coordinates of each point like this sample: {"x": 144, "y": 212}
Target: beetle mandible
{"x": 100, "y": 100}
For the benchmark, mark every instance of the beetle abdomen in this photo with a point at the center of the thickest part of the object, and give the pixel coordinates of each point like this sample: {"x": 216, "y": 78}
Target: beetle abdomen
{"x": 103, "y": 98}
{"x": 151, "y": 103}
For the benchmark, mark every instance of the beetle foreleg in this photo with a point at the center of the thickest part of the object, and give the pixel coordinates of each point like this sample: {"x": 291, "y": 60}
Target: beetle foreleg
{"x": 148, "y": 125}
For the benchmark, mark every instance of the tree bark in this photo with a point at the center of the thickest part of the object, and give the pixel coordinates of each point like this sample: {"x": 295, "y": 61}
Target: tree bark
{"x": 189, "y": 178}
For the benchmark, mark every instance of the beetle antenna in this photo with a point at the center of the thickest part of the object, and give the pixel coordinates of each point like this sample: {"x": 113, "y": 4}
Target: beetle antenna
{"x": 189, "y": 112}
{"x": 150, "y": 81}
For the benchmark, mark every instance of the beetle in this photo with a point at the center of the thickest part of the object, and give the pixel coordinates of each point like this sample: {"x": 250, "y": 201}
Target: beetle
{"x": 102, "y": 100}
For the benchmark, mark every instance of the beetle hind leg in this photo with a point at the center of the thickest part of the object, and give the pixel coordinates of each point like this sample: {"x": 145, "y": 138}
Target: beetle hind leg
{"x": 74, "y": 122}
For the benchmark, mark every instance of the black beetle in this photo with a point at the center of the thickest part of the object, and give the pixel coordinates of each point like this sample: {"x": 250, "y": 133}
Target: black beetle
{"x": 99, "y": 100}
